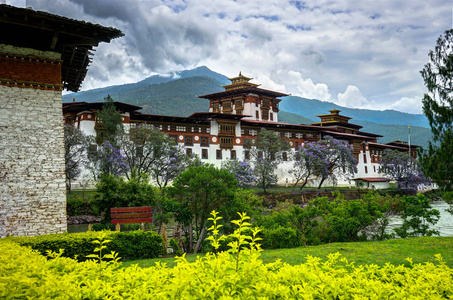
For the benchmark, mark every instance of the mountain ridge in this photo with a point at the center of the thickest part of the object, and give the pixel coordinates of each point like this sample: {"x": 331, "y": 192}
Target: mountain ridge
{"x": 176, "y": 95}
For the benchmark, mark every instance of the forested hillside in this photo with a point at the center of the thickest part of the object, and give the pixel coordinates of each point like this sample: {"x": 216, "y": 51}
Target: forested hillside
{"x": 310, "y": 108}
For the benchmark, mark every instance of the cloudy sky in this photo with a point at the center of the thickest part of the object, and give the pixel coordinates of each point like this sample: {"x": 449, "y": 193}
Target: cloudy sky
{"x": 359, "y": 54}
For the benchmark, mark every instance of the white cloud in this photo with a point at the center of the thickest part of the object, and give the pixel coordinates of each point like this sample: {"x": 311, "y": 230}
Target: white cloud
{"x": 353, "y": 98}
{"x": 309, "y": 48}
{"x": 307, "y": 89}
{"x": 410, "y": 105}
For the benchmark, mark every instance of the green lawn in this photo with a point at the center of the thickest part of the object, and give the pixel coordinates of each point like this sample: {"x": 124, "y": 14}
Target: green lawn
{"x": 393, "y": 251}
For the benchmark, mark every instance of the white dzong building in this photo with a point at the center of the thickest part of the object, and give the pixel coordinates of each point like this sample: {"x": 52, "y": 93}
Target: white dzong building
{"x": 239, "y": 113}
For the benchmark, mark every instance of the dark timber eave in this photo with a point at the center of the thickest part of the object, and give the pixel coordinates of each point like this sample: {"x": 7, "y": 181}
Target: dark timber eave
{"x": 73, "y": 39}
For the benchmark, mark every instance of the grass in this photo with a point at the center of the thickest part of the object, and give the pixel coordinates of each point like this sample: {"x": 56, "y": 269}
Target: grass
{"x": 394, "y": 251}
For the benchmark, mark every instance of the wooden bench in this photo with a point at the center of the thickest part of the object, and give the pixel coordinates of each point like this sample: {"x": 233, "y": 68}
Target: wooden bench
{"x": 130, "y": 215}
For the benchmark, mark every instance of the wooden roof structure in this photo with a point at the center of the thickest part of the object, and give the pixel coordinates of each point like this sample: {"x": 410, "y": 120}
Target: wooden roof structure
{"x": 243, "y": 90}
{"x": 76, "y": 107}
{"x": 74, "y": 39}
{"x": 402, "y": 144}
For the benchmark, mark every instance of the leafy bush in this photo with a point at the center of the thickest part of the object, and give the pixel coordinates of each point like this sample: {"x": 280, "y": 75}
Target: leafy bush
{"x": 137, "y": 244}
{"x": 339, "y": 220}
{"x": 174, "y": 244}
{"x": 281, "y": 237}
{"x": 417, "y": 215}
{"x": 349, "y": 218}
{"x": 130, "y": 245}
{"x": 244, "y": 200}
{"x": 76, "y": 206}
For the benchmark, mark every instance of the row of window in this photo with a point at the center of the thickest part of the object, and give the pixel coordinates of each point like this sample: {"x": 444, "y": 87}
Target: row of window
{"x": 230, "y": 129}
{"x": 374, "y": 168}
{"x": 178, "y": 128}
{"x": 227, "y": 128}
{"x": 260, "y": 155}
{"x": 204, "y": 154}
{"x": 188, "y": 140}
{"x": 298, "y": 135}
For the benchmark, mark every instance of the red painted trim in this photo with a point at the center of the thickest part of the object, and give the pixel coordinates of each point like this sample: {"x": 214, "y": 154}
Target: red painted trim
{"x": 132, "y": 215}
{"x": 132, "y": 221}
{"x": 130, "y": 209}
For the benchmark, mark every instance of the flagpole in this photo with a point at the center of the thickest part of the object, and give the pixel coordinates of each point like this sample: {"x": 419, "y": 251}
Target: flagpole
{"x": 409, "y": 140}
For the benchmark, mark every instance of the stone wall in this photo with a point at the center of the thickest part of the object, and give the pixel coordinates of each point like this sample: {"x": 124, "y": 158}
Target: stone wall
{"x": 32, "y": 178}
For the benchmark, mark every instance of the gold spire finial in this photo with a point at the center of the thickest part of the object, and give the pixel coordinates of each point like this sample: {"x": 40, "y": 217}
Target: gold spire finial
{"x": 240, "y": 73}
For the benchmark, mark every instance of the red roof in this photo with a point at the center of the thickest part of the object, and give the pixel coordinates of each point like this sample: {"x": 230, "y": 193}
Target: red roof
{"x": 352, "y": 134}
{"x": 244, "y": 90}
{"x": 387, "y": 146}
{"x": 280, "y": 124}
{"x": 373, "y": 179}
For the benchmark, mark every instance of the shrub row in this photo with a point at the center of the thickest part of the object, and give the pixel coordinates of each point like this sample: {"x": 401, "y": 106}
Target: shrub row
{"x": 129, "y": 245}
{"x": 25, "y": 274}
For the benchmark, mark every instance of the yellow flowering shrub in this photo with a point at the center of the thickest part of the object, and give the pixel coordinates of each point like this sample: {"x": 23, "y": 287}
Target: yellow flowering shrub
{"x": 238, "y": 274}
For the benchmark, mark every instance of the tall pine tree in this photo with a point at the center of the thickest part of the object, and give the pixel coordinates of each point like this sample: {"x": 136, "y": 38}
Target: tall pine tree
{"x": 109, "y": 127}
{"x": 437, "y": 160}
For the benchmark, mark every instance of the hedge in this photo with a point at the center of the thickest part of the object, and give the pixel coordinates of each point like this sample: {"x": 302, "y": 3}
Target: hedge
{"x": 280, "y": 237}
{"x": 129, "y": 245}
{"x": 25, "y": 274}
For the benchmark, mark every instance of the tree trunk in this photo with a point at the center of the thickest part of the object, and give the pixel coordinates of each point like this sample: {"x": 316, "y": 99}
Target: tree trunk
{"x": 68, "y": 186}
{"x": 200, "y": 240}
{"x": 190, "y": 237}
{"x": 304, "y": 184}
{"x": 322, "y": 181}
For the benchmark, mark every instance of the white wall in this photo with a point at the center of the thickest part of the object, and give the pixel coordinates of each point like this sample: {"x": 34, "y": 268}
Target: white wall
{"x": 32, "y": 177}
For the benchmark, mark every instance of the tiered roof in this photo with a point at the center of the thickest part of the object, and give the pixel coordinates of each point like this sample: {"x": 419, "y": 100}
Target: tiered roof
{"x": 241, "y": 85}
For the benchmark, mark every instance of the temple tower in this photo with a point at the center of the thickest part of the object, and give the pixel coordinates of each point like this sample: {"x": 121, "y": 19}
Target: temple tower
{"x": 242, "y": 97}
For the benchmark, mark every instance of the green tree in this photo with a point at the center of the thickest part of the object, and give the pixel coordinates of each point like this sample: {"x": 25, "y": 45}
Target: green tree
{"x": 202, "y": 189}
{"x": 437, "y": 74}
{"x": 110, "y": 125}
{"x": 114, "y": 191}
{"x": 145, "y": 148}
{"x": 266, "y": 153}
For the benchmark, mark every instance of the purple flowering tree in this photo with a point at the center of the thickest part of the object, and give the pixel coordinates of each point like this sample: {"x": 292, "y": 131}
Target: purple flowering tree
{"x": 339, "y": 160}
{"x": 309, "y": 161}
{"x": 266, "y": 153}
{"x": 75, "y": 144}
{"x": 402, "y": 168}
{"x": 173, "y": 162}
{"x": 327, "y": 159}
{"x": 242, "y": 170}
{"x": 106, "y": 159}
